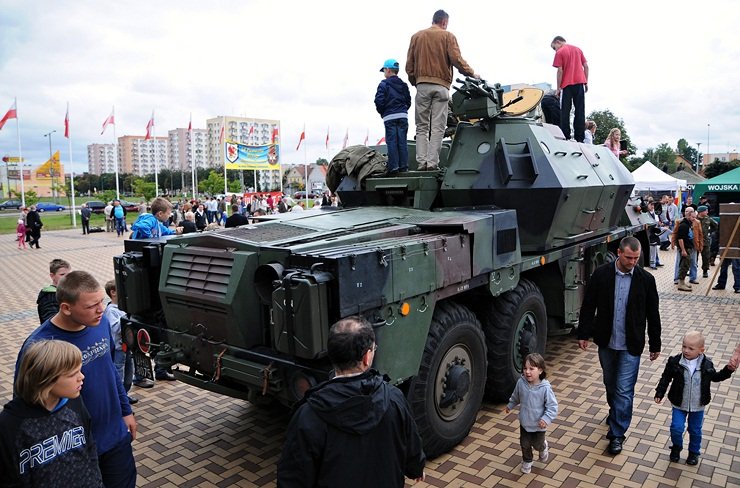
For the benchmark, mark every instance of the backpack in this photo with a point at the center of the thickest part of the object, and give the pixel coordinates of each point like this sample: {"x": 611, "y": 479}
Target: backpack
{"x": 282, "y": 208}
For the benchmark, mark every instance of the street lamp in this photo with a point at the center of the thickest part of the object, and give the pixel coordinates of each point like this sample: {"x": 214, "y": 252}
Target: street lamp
{"x": 698, "y": 144}
{"x": 51, "y": 167}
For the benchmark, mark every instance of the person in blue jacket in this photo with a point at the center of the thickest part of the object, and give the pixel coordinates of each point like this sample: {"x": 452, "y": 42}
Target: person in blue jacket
{"x": 392, "y": 101}
{"x": 80, "y": 321}
{"x": 152, "y": 225}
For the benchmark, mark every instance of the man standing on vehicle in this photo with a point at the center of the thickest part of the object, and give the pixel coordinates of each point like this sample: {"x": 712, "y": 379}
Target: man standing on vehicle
{"x": 572, "y": 86}
{"x": 432, "y": 54}
{"x": 620, "y": 297}
{"x": 355, "y": 429}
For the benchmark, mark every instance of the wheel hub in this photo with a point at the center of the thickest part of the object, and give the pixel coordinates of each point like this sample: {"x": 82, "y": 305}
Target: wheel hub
{"x": 453, "y": 382}
{"x": 526, "y": 339}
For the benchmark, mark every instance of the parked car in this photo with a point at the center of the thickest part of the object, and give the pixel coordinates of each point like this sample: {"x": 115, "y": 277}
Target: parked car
{"x": 129, "y": 206}
{"x": 301, "y": 195}
{"x": 49, "y": 207}
{"x": 96, "y": 206}
{"x": 16, "y": 204}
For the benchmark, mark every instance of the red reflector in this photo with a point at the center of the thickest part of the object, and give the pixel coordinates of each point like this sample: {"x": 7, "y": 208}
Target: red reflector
{"x": 143, "y": 340}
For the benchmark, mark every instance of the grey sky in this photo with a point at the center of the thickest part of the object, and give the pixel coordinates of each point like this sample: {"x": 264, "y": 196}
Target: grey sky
{"x": 667, "y": 68}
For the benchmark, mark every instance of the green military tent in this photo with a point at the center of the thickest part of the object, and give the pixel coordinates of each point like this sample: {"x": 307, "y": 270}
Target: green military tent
{"x": 725, "y": 183}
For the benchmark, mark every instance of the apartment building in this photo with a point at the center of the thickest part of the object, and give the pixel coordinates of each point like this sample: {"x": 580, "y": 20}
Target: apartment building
{"x": 179, "y": 156}
{"x": 101, "y": 158}
{"x": 140, "y": 156}
{"x": 244, "y": 130}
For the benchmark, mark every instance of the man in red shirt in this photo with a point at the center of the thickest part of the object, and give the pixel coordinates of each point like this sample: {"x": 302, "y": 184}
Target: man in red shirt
{"x": 572, "y": 85}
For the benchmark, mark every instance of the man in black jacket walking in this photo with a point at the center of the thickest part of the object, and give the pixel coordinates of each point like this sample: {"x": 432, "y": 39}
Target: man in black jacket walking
{"x": 620, "y": 297}
{"x": 355, "y": 429}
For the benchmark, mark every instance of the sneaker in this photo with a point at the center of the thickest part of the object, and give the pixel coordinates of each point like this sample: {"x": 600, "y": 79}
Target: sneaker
{"x": 717, "y": 287}
{"x": 705, "y": 275}
{"x": 545, "y": 453}
{"x": 133, "y": 400}
{"x": 694, "y": 282}
{"x": 144, "y": 383}
{"x": 527, "y": 467}
{"x": 692, "y": 460}
{"x": 675, "y": 455}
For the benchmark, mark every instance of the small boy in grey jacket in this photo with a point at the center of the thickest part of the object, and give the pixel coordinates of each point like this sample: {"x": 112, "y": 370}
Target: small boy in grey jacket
{"x": 538, "y": 408}
{"x": 690, "y": 374}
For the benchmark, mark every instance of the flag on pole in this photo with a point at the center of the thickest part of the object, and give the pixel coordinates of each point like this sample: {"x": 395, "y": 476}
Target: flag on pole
{"x": 190, "y": 124}
{"x": 346, "y": 138}
{"x": 380, "y": 141}
{"x": 11, "y": 114}
{"x": 274, "y": 134}
{"x": 251, "y": 130}
{"x": 149, "y": 127}
{"x": 367, "y": 134}
{"x": 221, "y": 136}
{"x": 110, "y": 120}
{"x": 327, "y": 138}
{"x": 303, "y": 136}
{"x": 66, "y": 122}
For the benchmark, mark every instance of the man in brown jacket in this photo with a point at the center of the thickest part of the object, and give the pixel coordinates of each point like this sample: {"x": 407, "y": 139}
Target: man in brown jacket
{"x": 432, "y": 54}
{"x": 690, "y": 248}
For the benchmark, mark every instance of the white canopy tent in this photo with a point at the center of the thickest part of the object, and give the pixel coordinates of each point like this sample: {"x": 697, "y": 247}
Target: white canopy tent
{"x": 649, "y": 178}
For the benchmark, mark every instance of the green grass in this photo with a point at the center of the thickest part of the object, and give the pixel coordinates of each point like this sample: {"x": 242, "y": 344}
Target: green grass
{"x": 51, "y": 220}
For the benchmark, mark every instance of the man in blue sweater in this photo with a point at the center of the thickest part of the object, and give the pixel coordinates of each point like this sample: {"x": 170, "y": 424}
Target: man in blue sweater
{"x": 80, "y": 321}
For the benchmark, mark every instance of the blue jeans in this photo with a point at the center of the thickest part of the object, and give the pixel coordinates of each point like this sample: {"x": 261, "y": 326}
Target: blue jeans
{"x": 620, "y": 375}
{"x": 396, "y": 131}
{"x": 118, "y": 466}
{"x": 678, "y": 421}
{"x": 722, "y": 278}
{"x": 125, "y": 365}
{"x": 693, "y": 268}
{"x": 120, "y": 225}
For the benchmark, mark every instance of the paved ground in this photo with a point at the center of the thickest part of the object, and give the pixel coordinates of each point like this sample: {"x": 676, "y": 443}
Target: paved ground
{"x": 191, "y": 438}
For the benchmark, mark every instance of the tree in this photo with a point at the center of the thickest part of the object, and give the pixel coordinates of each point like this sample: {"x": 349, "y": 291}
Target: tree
{"x": 144, "y": 188}
{"x": 322, "y": 162}
{"x": 212, "y": 185}
{"x": 688, "y": 152}
{"x": 606, "y": 121}
{"x": 663, "y": 157}
{"x": 720, "y": 167}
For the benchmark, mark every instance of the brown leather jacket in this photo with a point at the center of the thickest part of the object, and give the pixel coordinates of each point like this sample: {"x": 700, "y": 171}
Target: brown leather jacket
{"x": 432, "y": 54}
{"x": 698, "y": 235}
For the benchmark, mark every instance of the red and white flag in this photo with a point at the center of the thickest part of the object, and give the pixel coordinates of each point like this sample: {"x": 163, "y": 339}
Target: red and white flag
{"x": 149, "y": 127}
{"x": 251, "y": 130}
{"x": 110, "y": 120}
{"x": 380, "y": 141}
{"x": 327, "y": 138}
{"x": 221, "y": 136}
{"x": 66, "y": 122}
{"x": 190, "y": 124}
{"x": 303, "y": 136}
{"x": 11, "y": 114}
{"x": 346, "y": 138}
{"x": 367, "y": 135}
{"x": 274, "y": 134}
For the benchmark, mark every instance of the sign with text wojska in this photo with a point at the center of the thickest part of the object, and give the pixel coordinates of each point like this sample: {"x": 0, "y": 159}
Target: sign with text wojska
{"x": 242, "y": 156}
{"x": 724, "y": 187}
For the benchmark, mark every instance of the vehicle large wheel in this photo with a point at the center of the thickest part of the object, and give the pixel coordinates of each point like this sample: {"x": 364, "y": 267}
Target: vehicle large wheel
{"x": 515, "y": 324}
{"x": 447, "y": 393}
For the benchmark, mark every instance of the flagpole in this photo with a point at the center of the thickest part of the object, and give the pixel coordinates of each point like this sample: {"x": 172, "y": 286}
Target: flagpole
{"x": 156, "y": 161}
{"x": 305, "y": 164}
{"x": 20, "y": 151}
{"x": 72, "y": 174}
{"x": 192, "y": 156}
{"x": 223, "y": 148}
{"x": 115, "y": 149}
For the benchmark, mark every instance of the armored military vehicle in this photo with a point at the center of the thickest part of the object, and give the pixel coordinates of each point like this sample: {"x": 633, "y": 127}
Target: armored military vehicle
{"x": 462, "y": 272}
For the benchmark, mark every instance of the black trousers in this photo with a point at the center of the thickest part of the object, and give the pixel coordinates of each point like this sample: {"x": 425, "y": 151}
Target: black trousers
{"x": 85, "y": 226}
{"x": 529, "y": 440}
{"x": 573, "y": 96}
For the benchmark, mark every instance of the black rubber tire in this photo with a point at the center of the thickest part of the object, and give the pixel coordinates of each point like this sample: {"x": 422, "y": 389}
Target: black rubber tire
{"x": 515, "y": 324}
{"x": 454, "y": 329}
